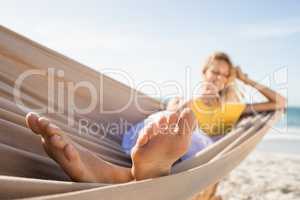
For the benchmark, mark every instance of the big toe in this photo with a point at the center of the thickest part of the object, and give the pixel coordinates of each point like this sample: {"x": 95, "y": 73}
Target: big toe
{"x": 145, "y": 136}
{"x": 32, "y": 122}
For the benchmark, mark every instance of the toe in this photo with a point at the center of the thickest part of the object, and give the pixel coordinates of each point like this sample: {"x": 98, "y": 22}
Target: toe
{"x": 172, "y": 122}
{"x": 173, "y": 118}
{"x": 57, "y": 141}
{"x": 71, "y": 153}
{"x": 46, "y": 147}
{"x": 163, "y": 120}
{"x": 52, "y": 129}
{"x": 145, "y": 136}
{"x": 32, "y": 122}
{"x": 162, "y": 125}
{"x": 43, "y": 124}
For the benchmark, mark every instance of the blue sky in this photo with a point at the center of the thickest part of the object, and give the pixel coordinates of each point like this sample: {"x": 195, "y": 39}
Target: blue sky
{"x": 156, "y": 40}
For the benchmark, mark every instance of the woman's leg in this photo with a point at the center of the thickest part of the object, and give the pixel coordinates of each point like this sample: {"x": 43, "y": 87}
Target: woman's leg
{"x": 78, "y": 162}
{"x": 208, "y": 193}
{"x": 157, "y": 148}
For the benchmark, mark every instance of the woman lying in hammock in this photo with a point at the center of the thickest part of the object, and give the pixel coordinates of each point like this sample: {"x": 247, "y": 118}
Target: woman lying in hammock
{"x": 164, "y": 137}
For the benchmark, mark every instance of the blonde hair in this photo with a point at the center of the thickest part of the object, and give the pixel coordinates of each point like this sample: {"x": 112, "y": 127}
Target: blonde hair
{"x": 231, "y": 92}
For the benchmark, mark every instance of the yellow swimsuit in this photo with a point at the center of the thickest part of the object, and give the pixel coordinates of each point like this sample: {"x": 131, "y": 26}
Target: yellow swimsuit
{"x": 217, "y": 120}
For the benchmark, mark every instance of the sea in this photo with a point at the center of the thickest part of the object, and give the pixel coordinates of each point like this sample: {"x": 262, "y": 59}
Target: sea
{"x": 284, "y": 137}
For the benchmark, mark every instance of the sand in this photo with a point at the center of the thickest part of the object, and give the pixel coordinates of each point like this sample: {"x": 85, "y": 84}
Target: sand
{"x": 264, "y": 176}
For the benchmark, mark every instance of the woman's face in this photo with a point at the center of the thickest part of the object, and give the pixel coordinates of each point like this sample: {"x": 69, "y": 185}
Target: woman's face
{"x": 217, "y": 74}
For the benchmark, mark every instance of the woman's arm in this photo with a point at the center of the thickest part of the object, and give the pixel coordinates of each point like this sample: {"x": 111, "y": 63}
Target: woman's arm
{"x": 275, "y": 100}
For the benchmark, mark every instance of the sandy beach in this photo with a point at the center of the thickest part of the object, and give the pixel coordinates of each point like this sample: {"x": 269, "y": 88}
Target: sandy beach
{"x": 264, "y": 176}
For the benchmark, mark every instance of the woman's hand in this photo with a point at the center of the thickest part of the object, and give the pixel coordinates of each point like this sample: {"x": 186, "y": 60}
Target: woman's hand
{"x": 209, "y": 96}
{"x": 209, "y": 100}
{"x": 241, "y": 75}
{"x": 276, "y": 101}
{"x": 174, "y": 103}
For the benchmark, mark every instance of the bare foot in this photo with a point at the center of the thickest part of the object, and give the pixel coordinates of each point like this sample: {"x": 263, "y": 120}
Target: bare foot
{"x": 162, "y": 144}
{"x": 79, "y": 163}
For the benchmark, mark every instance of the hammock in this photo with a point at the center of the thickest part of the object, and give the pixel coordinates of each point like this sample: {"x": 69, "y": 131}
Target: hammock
{"x": 27, "y": 172}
